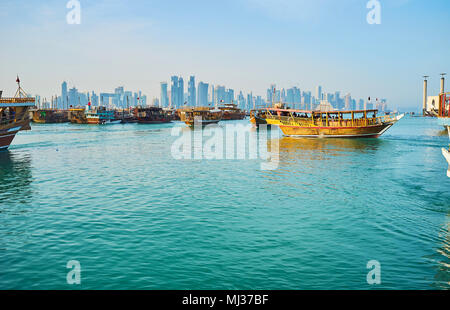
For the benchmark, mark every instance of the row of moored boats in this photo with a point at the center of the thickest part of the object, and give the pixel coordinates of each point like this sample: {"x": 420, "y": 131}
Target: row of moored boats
{"x": 17, "y": 112}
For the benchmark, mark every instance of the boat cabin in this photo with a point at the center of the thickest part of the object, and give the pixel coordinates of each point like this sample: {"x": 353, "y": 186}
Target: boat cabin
{"x": 354, "y": 118}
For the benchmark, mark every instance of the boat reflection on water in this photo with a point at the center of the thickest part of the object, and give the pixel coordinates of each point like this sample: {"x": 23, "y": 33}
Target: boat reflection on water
{"x": 294, "y": 149}
{"x": 15, "y": 180}
{"x": 442, "y": 259}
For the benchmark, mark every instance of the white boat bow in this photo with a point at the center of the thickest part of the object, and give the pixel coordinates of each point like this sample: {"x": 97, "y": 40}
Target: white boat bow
{"x": 446, "y": 154}
{"x": 399, "y": 117}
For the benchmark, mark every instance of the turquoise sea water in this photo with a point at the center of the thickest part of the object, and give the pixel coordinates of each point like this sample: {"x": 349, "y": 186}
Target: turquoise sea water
{"x": 114, "y": 199}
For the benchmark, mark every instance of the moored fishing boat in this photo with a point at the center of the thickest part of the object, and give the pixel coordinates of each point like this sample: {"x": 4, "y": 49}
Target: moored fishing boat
{"x": 100, "y": 116}
{"x": 172, "y": 114}
{"x": 50, "y": 116}
{"x": 14, "y": 115}
{"x": 444, "y": 109}
{"x": 231, "y": 112}
{"x": 77, "y": 116}
{"x": 151, "y": 115}
{"x": 258, "y": 117}
{"x": 126, "y": 116}
{"x": 200, "y": 116}
{"x": 334, "y": 124}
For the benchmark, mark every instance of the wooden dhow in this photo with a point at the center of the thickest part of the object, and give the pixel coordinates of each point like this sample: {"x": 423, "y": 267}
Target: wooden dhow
{"x": 151, "y": 115}
{"x": 444, "y": 109}
{"x": 200, "y": 116}
{"x": 258, "y": 117}
{"x": 231, "y": 112}
{"x": 331, "y": 124}
{"x": 100, "y": 116}
{"x": 14, "y": 115}
{"x": 50, "y": 116}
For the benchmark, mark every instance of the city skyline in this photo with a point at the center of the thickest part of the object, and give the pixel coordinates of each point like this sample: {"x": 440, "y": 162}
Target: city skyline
{"x": 291, "y": 43}
{"x": 207, "y": 94}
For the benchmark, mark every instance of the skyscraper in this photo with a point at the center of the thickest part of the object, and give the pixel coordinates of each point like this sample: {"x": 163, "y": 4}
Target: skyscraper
{"x": 270, "y": 93}
{"x": 361, "y": 104}
{"x": 202, "y": 100}
{"x": 74, "y": 100}
{"x": 219, "y": 95}
{"x": 229, "y": 96}
{"x": 64, "y": 95}
{"x": 175, "y": 96}
{"x": 348, "y": 102}
{"x": 191, "y": 92}
{"x": 164, "y": 97}
{"x": 180, "y": 92}
{"x": 211, "y": 94}
{"x": 118, "y": 99}
{"x": 319, "y": 93}
{"x": 250, "y": 103}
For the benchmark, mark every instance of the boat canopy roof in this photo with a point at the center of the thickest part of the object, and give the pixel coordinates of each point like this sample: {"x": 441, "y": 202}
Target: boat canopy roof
{"x": 321, "y": 112}
{"x": 17, "y": 102}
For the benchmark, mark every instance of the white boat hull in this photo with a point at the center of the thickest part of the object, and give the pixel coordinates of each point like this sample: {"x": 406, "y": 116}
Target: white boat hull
{"x": 446, "y": 154}
{"x": 111, "y": 122}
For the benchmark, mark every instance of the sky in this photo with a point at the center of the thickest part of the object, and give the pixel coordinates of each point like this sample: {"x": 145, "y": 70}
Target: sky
{"x": 242, "y": 44}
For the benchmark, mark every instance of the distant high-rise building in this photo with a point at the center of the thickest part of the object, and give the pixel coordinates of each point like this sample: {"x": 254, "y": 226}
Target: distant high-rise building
{"x": 219, "y": 95}
{"x": 250, "y": 102}
{"x": 229, "y": 96}
{"x": 191, "y": 100}
{"x": 290, "y": 96}
{"x": 259, "y": 102}
{"x": 73, "y": 97}
{"x": 241, "y": 101}
{"x": 128, "y": 99}
{"x": 202, "y": 98}
{"x": 211, "y": 94}
{"x": 361, "y": 104}
{"x": 94, "y": 99}
{"x": 348, "y": 102}
{"x": 270, "y": 93}
{"x": 164, "y": 97}
{"x": 368, "y": 105}
{"x": 307, "y": 98}
{"x": 177, "y": 92}
{"x": 118, "y": 98}
{"x": 64, "y": 95}
{"x": 319, "y": 93}
{"x": 180, "y": 92}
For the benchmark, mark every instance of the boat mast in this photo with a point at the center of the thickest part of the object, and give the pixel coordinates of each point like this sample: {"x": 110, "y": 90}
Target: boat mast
{"x": 20, "y": 93}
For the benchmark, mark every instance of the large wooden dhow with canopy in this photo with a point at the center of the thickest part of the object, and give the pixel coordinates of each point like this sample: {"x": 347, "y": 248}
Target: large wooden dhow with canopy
{"x": 330, "y": 124}
{"x": 14, "y": 115}
{"x": 200, "y": 116}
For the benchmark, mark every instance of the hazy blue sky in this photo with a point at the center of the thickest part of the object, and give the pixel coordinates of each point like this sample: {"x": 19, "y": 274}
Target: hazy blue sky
{"x": 242, "y": 44}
